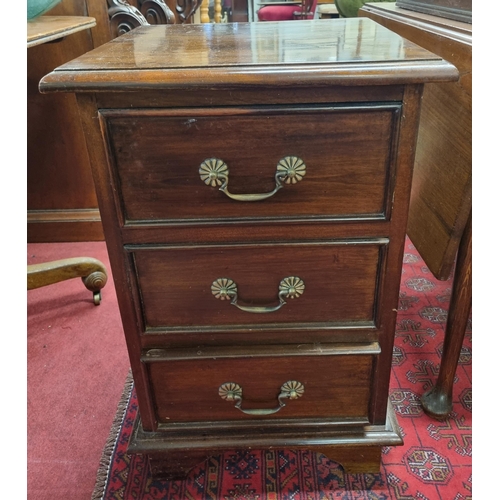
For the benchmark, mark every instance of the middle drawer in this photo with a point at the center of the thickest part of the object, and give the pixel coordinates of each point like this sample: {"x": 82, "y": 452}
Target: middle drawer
{"x": 223, "y": 286}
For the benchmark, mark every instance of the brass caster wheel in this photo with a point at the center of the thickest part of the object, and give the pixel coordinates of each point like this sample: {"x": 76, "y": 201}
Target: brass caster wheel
{"x": 97, "y": 298}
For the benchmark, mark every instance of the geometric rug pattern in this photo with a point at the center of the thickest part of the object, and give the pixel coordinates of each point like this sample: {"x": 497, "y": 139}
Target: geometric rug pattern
{"x": 435, "y": 462}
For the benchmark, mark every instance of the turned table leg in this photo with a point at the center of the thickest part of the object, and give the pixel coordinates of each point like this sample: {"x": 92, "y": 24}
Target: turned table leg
{"x": 437, "y": 402}
{"x": 92, "y": 272}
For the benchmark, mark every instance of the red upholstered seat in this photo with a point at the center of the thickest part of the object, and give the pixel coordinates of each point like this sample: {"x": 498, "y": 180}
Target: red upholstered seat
{"x": 283, "y": 12}
{"x": 277, "y": 12}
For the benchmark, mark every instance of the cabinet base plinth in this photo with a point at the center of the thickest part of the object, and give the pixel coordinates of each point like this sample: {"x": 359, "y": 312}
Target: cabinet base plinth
{"x": 173, "y": 453}
{"x": 177, "y": 465}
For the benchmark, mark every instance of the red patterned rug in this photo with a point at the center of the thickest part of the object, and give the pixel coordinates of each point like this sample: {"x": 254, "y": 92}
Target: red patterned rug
{"x": 435, "y": 463}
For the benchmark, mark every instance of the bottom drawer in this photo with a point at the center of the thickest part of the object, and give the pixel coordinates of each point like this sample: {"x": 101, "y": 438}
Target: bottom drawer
{"x": 261, "y": 382}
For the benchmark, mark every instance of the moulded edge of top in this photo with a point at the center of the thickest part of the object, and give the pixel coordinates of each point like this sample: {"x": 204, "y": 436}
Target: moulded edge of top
{"x": 231, "y": 77}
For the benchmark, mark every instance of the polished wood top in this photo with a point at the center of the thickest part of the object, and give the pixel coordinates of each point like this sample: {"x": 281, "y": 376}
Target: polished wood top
{"x": 310, "y": 52}
{"x": 44, "y": 29}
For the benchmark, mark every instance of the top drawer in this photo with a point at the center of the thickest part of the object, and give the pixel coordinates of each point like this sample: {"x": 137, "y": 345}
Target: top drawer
{"x": 335, "y": 162}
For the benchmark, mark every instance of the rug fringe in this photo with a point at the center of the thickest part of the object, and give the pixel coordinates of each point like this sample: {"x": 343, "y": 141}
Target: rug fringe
{"x": 109, "y": 447}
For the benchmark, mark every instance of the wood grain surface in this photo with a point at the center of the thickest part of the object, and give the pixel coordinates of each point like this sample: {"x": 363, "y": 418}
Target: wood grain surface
{"x": 344, "y": 93}
{"x": 340, "y": 283}
{"x": 347, "y": 152}
{"x": 61, "y": 200}
{"x": 319, "y": 52}
{"x": 441, "y": 198}
{"x": 44, "y": 29}
{"x": 337, "y": 387}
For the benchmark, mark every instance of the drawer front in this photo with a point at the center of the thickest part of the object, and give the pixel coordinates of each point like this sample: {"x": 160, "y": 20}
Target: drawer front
{"x": 261, "y": 383}
{"x": 338, "y": 162}
{"x": 223, "y": 286}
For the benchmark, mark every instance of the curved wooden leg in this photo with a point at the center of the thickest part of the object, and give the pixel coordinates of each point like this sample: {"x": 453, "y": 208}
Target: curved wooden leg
{"x": 437, "y": 402}
{"x": 92, "y": 272}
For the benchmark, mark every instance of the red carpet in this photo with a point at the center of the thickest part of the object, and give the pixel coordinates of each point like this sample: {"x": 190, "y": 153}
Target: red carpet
{"x": 77, "y": 365}
{"x": 434, "y": 463}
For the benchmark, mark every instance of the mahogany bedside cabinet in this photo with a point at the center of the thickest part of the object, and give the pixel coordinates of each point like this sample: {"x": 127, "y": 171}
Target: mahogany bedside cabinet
{"x": 253, "y": 181}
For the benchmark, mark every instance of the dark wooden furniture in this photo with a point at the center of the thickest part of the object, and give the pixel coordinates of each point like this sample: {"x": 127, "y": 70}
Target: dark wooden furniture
{"x": 61, "y": 199}
{"x": 254, "y": 188}
{"x": 440, "y": 218}
{"x": 43, "y": 30}
{"x": 239, "y": 11}
{"x": 458, "y": 10}
{"x": 126, "y": 15}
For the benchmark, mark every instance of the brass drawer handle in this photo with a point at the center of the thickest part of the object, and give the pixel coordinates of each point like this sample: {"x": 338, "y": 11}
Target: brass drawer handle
{"x": 215, "y": 172}
{"x": 226, "y": 289}
{"x": 230, "y": 391}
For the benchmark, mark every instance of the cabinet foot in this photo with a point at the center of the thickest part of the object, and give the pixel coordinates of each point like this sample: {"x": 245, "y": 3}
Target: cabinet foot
{"x": 354, "y": 460}
{"x": 172, "y": 453}
{"x": 175, "y": 466}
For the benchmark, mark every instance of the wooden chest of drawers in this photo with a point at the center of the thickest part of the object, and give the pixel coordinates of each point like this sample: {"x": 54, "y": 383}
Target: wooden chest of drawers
{"x": 253, "y": 182}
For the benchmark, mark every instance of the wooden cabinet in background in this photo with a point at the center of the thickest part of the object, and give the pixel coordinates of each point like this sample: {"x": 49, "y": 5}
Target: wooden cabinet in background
{"x": 61, "y": 200}
{"x": 457, "y": 10}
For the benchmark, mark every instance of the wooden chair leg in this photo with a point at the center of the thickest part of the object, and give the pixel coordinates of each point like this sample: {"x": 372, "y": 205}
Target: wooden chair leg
{"x": 437, "y": 402}
{"x": 92, "y": 272}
